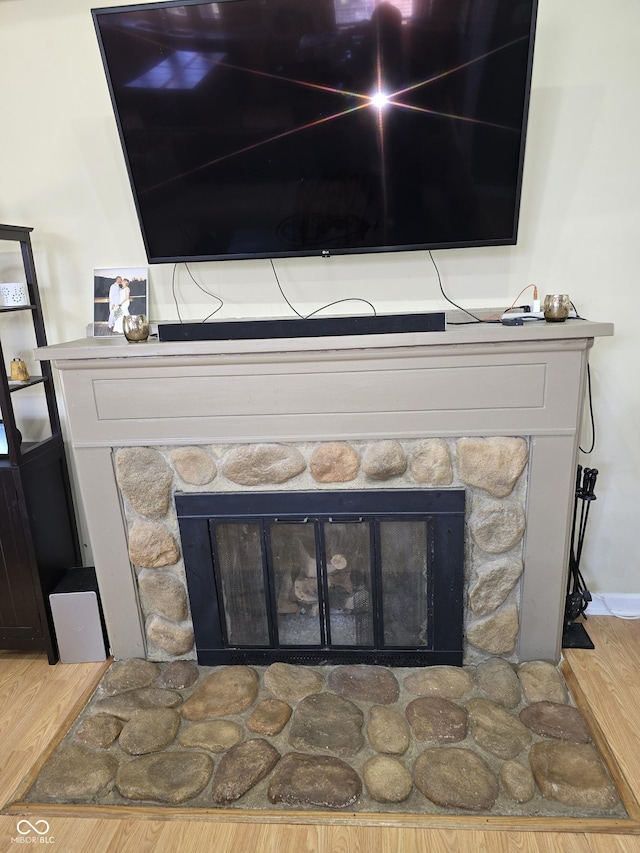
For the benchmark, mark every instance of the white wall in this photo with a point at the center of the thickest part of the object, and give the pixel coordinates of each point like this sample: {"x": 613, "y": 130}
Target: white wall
{"x": 62, "y": 172}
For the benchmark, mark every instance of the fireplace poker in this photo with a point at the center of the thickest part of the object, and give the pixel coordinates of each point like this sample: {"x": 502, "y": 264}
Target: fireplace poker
{"x": 578, "y": 596}
{"x": 572, "y": 550}
{"x": 588, "y": 495}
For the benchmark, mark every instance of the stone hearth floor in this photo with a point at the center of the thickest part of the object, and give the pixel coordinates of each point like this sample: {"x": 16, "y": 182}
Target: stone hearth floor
{"x": 495, "y": 739}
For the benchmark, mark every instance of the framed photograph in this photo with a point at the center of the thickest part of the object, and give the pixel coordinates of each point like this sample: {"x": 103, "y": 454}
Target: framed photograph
{"x": 117, "y": 291}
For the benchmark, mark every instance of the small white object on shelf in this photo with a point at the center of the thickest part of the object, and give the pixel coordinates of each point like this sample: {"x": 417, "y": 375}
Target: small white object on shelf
{"x": 13, "y": 294}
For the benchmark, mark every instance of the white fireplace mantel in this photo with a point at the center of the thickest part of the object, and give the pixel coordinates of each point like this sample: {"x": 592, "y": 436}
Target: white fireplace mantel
{"x": 471, "y": 380}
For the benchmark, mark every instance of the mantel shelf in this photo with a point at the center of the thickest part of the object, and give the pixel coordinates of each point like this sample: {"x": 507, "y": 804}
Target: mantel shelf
{"x": 474, "y": 334}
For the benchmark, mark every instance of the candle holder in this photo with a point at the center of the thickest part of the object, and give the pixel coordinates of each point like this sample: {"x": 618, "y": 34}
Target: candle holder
{"x": 135, "y": 328}
{"x": 556, "y": 307}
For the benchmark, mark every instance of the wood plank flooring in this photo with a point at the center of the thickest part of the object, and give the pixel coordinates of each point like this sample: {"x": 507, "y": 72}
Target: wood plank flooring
{"x": 36, "y": 700}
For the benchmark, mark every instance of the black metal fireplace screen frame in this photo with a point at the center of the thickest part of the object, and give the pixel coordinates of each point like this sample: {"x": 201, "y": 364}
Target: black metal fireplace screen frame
{"x": 441, "y": 509}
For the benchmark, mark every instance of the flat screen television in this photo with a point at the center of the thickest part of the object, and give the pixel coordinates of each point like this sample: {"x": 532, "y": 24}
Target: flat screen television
{"x": 277, "y": 128}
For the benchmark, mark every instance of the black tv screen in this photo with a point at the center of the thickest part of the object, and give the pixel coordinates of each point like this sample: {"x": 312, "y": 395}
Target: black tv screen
{"x": 276, "y": 128}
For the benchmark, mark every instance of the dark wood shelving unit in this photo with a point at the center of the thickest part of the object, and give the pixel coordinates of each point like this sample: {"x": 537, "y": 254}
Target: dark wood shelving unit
{"x": 16, "y": 385}
{"x": 38, "y": 535}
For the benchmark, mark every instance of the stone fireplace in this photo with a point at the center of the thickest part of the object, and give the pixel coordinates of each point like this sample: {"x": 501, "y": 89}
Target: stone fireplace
{"x": 490, "y": 471}
{"x": 491, "y": 410}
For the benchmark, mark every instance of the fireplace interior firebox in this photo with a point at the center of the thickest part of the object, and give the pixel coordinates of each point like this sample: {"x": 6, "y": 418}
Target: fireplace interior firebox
{"x": 325, "y": 576}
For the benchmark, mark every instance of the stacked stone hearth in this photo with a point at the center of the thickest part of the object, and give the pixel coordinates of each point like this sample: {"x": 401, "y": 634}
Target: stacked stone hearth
{"x": 494, "y": 739}
{"x": 492, "y": 470}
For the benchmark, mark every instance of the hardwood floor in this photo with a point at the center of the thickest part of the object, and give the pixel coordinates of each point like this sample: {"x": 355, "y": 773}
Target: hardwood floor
{"x": 36, "y": 700}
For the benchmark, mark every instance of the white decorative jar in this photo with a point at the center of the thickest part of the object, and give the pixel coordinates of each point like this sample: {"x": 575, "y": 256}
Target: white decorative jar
{"x": 13, "y": 294}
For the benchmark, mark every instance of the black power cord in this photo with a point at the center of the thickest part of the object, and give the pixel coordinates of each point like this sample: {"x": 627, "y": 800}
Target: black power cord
{"x": 199, "y": 286}
{"x": 318, "y": 310}
{"x": 591, "y": 415}
{"x": 450, "y": 301}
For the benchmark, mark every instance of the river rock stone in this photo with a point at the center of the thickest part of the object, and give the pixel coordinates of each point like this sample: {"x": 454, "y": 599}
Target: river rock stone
{"x": 261, "y": 464}
{"x": 230, "y": 690}
{"x": 456, "y": 778}
{"x": 493, "y": 583}
{"x": 151, "y": 545}
{"x": 437, "y": 720}
{"x": 124, "y": 705}
{"x": 145, "y": 480}
{"x": 314, "y": 780}
{"x": 446, "y": 682}
{"x": 172, "y": 637}
{"x": 163, "y": 593}
{"x": 242, "y": 768}
{"x": 387, "y": 780}
{"x": 156, "y": 697}
{"x": 75, "y": 774}
{"x": 99, "y": 731}
{"x": 495, "y": 729}
{"x": 493, "y": 464}
{"x": 388, "y": 731}
{"x": 127, "y": 675}
{"x": 326, "y": 722}
{"x": 517, "y": 781}
{"x": 149, "y": 731}
{"x": 179, "y": 674}
{"x": 213, "y": 735}
{"x": 431, "y": 463}
{"x": 269, "y": 717}
{"x": 572, "y": 774}
{"x": 555, "y": 720}
{"x": 173, "y": 777}
{"x": 497, "y": 633}
{"x": 365, "y": 683}
{"x": 497, "y": 678}
{"x": 193, "y": 465}
{"x": 291, "y": 683}
{"x": 383, "y": 460}
{"x": 334, "y": 462}
{"x": 542, "y": 682}
{"x": 497, "y": 526}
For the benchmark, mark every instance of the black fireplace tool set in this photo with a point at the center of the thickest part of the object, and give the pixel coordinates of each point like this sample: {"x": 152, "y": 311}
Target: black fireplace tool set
{"x": 578, "y": 596}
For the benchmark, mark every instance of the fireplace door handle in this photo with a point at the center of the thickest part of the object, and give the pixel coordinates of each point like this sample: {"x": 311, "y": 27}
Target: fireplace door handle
{"x": 292, "y": 520}
{"x": 346, "y": 520}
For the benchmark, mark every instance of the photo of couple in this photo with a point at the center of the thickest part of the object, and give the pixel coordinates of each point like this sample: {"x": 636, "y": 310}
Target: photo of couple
{"x": 119, "y": 301}
{"x": 117, "y": 293}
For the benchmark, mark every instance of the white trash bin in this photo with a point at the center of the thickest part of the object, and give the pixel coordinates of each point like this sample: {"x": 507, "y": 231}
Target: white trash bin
{"x": 77, "y": 617}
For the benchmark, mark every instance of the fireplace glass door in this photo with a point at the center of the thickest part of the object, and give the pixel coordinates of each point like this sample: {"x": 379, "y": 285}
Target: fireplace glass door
{"x": 319, "y": 577}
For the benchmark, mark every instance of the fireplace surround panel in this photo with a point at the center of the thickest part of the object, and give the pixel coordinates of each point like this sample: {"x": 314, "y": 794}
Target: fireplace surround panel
{"x": 480, "y": 380}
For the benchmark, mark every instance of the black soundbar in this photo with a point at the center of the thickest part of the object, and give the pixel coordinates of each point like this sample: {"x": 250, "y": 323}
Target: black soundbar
{"x": 298, "y": 327}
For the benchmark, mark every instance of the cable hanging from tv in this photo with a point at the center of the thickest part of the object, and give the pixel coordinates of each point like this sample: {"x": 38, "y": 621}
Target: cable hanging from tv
{"x": 318, "y": 310}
